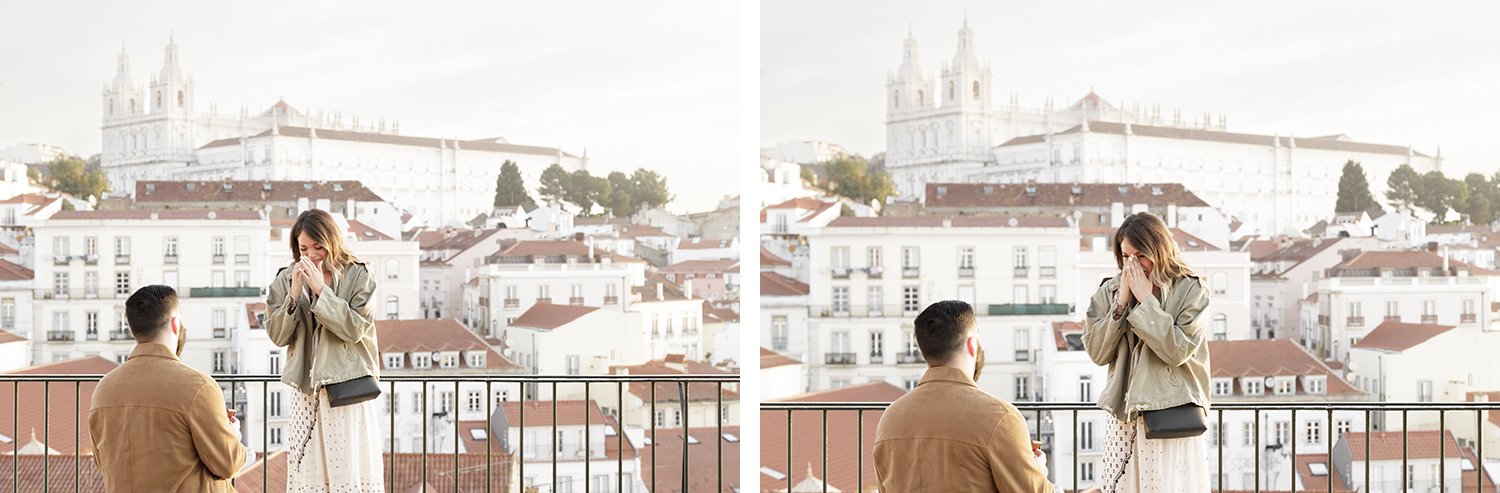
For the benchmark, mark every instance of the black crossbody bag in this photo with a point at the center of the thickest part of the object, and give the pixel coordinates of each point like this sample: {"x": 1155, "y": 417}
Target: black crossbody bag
{"x": 1183, "y": 421}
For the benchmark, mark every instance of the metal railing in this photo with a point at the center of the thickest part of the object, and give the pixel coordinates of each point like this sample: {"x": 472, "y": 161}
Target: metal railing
{"x": 771, "y": 411}
{"x": 240, "y": 386}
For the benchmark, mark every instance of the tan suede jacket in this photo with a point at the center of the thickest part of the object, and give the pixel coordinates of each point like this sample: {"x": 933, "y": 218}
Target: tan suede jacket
{"x": 330, "y": 341}
{"x": 1157, "y": 354}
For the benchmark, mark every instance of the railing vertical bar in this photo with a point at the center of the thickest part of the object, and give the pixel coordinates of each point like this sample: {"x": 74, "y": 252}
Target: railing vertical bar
{"x": 46, "y": 433}
{"x": 454, "y": 415}
{"x": 1256, "y": 450}
{"x": 489, "y": 410}
{"x": 1292, "y": 434}
{"x": 719, "y": 440}
{"x": 859, "y": 474}
{"x": 1367, "y": 446}
{"x": 1075, "y": 448}
{"x": 15, "y": 430}
{"x": 1329, "y": 442}
{"x": 521, "y": 386}
{"x": 1442, "y": 454}
{"x": 789, "y": 450}
{"x": 1479, "y": 471}
{"x": 588, "y": 405}
{"x": 825, "y": 451}
{"x": 77, "y": 411}
{"x": 553, "y": 439}
{"x": 682, "y": 394}
{"x": 265, "y": 456}
{"x": 620, "y": 438}
{"x": 1221, "y": 450}
{"x": 652, "y": 383}
{"x": 424, "y": 435}
{"x": 1404, "y": 431}
{"x": 390, "y": 469}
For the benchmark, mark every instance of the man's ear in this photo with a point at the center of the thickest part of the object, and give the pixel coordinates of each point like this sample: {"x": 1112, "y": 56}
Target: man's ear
{"x": 972, "y": 345}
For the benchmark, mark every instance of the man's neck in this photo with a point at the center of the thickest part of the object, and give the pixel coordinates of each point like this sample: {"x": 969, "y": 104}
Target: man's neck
{"x": 966, "y": 371}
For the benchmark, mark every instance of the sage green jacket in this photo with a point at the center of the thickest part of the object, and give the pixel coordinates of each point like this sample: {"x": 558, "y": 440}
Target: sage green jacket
{"x": 329, "y": 340}
{"x": 1157, "y": 354}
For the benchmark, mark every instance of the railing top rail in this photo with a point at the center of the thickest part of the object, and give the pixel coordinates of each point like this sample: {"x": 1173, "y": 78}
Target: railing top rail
{"x": 1241, "y": 406}
{"x": 732, "y": 378}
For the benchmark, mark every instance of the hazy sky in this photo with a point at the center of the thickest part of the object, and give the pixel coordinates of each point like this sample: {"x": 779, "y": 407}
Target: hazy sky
{"x": 640, "y": 84}
{"x": 1422, "y": 73}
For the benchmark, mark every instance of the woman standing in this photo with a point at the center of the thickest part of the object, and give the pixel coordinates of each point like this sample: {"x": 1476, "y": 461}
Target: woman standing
{"x": 317, "y": 310}
{"x": 1145, "y": 324}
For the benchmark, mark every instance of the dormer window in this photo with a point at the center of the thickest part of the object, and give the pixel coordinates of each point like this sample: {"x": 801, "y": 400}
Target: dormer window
{"x": 476, "y": 359}
{"x": 1317, "y": 384}
{"x": 266, "y": 186}
{"x": 150, "y": 188}
{"x": 1252, "y": 386}
{"x": 228, "y": 187}
{"x": 450, "y": 360}
{"x": 941, "y": 191}
{"x": 1286, "y": 386}
{"x": 192, "y": 187}
{"x": 1223, "y": 387}
{"x": 307, "y": 186}
{"x": 393, "y": 361}
{"x": 421, "y": 361}
{"x": 1122, "y": 190}
{"x": 338, "y": 187}
{"x": 1155, "y": 190}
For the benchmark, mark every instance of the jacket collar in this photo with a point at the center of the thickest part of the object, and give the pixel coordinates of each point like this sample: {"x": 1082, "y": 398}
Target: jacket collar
{"x": 151, "y": 349}
{"x": 946, "y": 374}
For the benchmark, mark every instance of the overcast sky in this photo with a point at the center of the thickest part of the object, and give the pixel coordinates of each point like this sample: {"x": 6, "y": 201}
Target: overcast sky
{"x": 1421, "y": 73}
{"x": 640, "y": 84}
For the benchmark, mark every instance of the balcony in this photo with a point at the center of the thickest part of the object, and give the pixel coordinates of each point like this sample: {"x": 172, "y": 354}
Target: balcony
{"x": 874, "y": 272}
{"x": 910, "y": 358}
{"x": 241, "y": 258}
{"x": 544, "y": 300}
{"x": 1029, "y": 309}
{"x": 1392, "y": 318}
{"x": 169, "y": 259}
{"x": 911, "y": 272}
{"x": 512, "y": 303}
{"x": 839, "y": 359}
{"x": 431, "y": 461}
{"x": 91, "y": 335}
{"x": 91, "y": 259}
{"x": 576, "y": 300}
{"x": 1429, "y": 319}
{"x": 219, "y": 259}
{"x": 796, "y": 434}
{"x": 966, "y": 272}
{"x": 122, "y": 259}
{"x": 223, "y": 292}
{"x": 61, "y": 259}
{"x": 841, "y": 272}
{"x": 120, "y": 335}
{"x": 1355, "y": 321}
{"x": 1048, "y": 272}
{"x": 1323, "y": 320}
{"x": 1467, "y": 318}
{"x": 60, "y": 335}
{"x": 877, "y": 359}
{"x": 611, "y": 300}
{"x": 1022, "y": 272}
{"x": 219, "y": 332}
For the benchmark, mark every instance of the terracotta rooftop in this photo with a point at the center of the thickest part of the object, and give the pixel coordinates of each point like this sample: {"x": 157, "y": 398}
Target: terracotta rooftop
{"x": 957, "y": 222}
{"x": 28, "y": 198}
{"x": 363, "y": 232}
{"x": 569, "y": 413}
{"x": 772, "y": 359}
{"x": 547, "y": 316}
{"x": 1098, "y": 195}
{"x": 36, "y": 411}
{"x": 252, "y": 191}
{"x": 670, "y": 290}
{"x": 773, "y": 284}
{"x": 1396, "y": 336}
{"x": 58, "y": 470}
{"x": 178, "y": 215}
{"x": 1330, "y": 144}
{"x": 640, "y": 231}
{"x": 875, "y": 391}
{"x": 1386, "y": 445}
{"x": 718, "y": 314}
{"x": 768, "y": 259}
{"x": 428, "y": 335}
{"x": 705, "y": 460}
{"x": 8, "y": 250}
{"x": 254, "y": 312}
{"x": 1319, "y": 482}
{"x": 846, "y": 431}
{"x": 11, "y": 271}
{"x": 1406, "y": 260}
{"x": 7, "y": 337}
{"x": 407, "y": 473}
{"x": 1272, "y": 357}
{"x": 667, "y": 391}
{"x": 1186, "y": 242}
{"x": 491, "y": 145}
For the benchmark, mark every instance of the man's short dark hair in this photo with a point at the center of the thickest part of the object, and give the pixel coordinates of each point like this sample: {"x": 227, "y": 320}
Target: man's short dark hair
{"x": 942, "y": 328}
{"x": 149, "y": 311}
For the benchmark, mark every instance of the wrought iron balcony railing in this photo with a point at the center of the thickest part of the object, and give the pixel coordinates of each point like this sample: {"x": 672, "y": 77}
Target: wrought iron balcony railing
{"x": 241, "y": 386}
{"x": 778, "y": 415}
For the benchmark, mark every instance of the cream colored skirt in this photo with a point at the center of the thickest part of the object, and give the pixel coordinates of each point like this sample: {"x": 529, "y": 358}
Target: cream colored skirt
{"x": 333, "y": 449}
{"x": 1134, "y": 464}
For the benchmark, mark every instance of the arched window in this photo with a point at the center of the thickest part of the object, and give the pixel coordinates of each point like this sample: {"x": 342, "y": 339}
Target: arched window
{"x": 976, "y": 90}
{"x": 179, "y": 99}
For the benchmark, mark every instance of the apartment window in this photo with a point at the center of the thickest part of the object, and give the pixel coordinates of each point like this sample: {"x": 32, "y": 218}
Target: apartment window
{"x": 241, "y": 279}
{"x": 475, "y": 400}
{"x": 839, "y": 259}
{"x": 1343, "y": 426}
{"x": 445, "y": 401}
{"x": 1020, "y": 295}
{"x": 91, "y": 324}
{"x": 275, "y": 363}
{"x": 416, "y": 408}
{"x": 1220, "y": 283}
{"x": 274, "y": 435}
{"x": 1253, "y": 386}
{"x": 122, "y": 283}
{"x": 1086, "y": 471}
{"x": 1086, "y": 388}
{"x": 170, "y": 278}
{"x": 393, "y": 361}
{"x": 779, "y": 333}
{"x": 966, "y": 261}
{"x": 274, "y": 403}
{"x": 877, "y": 345}
{"x": 1223, "y": 387}
{"x": 573, "y": 364}
{"x": 544, "y": 292}
{"x": 218, "y": 279}
{"x": 576, "y": 296}
{"x": 911, "y": 299}
{"x": 60, "y": 246}
{"x": 1283, "y": 432}
{"x": 392, "y": 308}
{"x": 169, "y": 249}
{"x": 242, "y": 250}
{"x": 841, "y": 299}
{"x": 1047, "y": 261}
{"x": 661, "y": 417}
{"x": 91, "y": 246}
{"x": 1213, "y": 434}
{"x": 840, "y": 343}
{"x": 476, "y": 359}
{"x": 1086, "y": 435}
{"x": 910, "y": 261}
{"x": 8, "y": 313}
{"x": 1424, "y": 391}
{"x": 1316, "y": 385}
{"x": 873, "y": 257}
{"x": 1023, "y": 266}
{"x": 450, "y": 360}
{"x": 392, "y": 404}
{"x": 909, "y": 384}
{"x": 1048, "y": 294}
{"x": 122, "y": 247}
{"x": 60, "y": 284}
{"x": 1023, "y": 344}
{"x": 1249, "y": 436}
{"x": 219, "y": 361}
{"x": 1392, "y": 311}
{"x": 421, "y": 361}
{"x": 218, "y": 323}
{"x": 218, "y": 249}
{"x": 1314, "y": 432}
{"x": 1023, "y": 388}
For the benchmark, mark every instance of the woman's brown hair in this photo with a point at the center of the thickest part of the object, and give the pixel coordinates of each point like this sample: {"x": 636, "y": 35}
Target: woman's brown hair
{"x": 320, "y": 227}
{"x": 1150, "y": 236}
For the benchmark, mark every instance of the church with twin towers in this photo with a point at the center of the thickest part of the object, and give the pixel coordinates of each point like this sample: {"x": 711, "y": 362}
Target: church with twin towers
{"x": 158, "y": 130}
{"x": 947, "y": 127}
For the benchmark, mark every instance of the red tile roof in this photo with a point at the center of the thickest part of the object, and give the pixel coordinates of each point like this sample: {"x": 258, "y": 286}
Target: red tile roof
{"x": 956, "y": 222}
{"x": 35, "y": 411}
{"x": 640, "y": 231}
{"x": 1386, "y": 445}
{"x": 178, "y": 215}
{"x": 705, "y": 460}
{"x": 876, "y": 391}
{"x": 714, "y": 313}
{"x": 1272, "y": 357}
{"x": 1101, "y": 127}
{"x": 492, "y": 145}
{"x": 253, "y": 309}
{"x": 1097, "y": 195}
{"x": 11, "y": 271}
{"x": 461, "y": 240}
{"x": 846, "y": 432}
{"x": 548, "y": 316}
{"x": 539, "y": 413}
{"x": 773, "y": 284}
{"x": 7, "y": 337}
{"x": 252, "y": 191}
{"x": 363, "y": 232}
{"x": 808, "y": 203}
{"x": 58, "y": 471}
{"x": 670, "y": 290}
{"x": 427, "y": 335}
{"x": 667, "y": 391}
{"x": 8, "y": 250}
{"x": 1319, "y": 482}
{"x": 1396, "y": 336}
{"x": 407, "y": 473}
{"x": 1061, "y": 331}
{"x": 772, "y": 359}
{"x": 768, "y": 259}
{"x": 1185, "y": 241}
{"x": 545, "y": 248}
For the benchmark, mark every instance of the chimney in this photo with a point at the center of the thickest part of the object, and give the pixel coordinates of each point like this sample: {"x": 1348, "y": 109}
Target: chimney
{"x": 687, "y": 288}
{"x": 660, "y": 291}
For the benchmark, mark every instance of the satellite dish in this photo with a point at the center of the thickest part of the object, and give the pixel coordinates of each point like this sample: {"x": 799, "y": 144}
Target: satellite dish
{"x": 1352, "y": 366}
{"x": 1270, "y": 381}
{"x": 1013, "y": 222}
{"x": 500, "y": 429}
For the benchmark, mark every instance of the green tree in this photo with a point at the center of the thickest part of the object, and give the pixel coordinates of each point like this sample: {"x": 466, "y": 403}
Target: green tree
{"x": 1441, "y": 194}
{"x": 845, "y": 210}
{"x": 1403, "y": 187}
{"x": 850, "y": 176}
{"x": 585, "y": 190}
{"x": 620, "y": 191}
{"x": 72, "y": 176}
{"x": 510, "y": 188}
{"x": 555, "y": 183}
{"x": 1354, "y": 190}
{"x": 649, "y": 189}
{"x": 33, "y": 173}
{"x": 1478, "y": 208}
